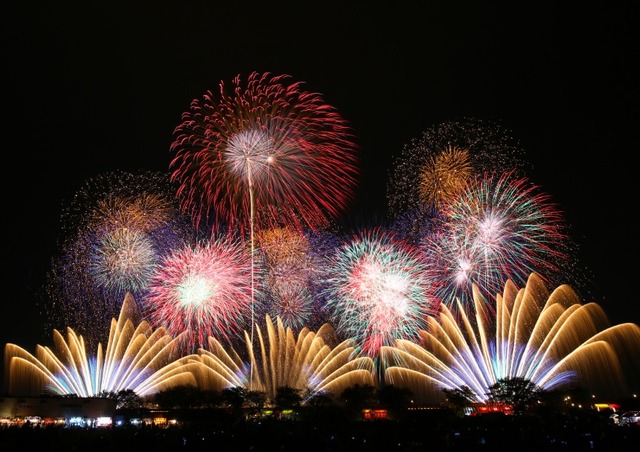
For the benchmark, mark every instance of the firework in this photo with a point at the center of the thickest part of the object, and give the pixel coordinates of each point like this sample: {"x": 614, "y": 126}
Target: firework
{"x": 415, "y": 226}
{"x": 500, "y": 227}
{"x": 550, "y": 339}
{"x": 292, "y": 303}
{"x": 203, "y": 290}
{"x": 378, "y": 290}
{"x": 433, "y": 169}
{"x": 266, "y": 144}
{"x": 115, "y": 231}
{"x": 290, "y": 265}
{"x": 123, "y": 259}
{"x": 141, "y": 211}
{"x": 312, "y": 362}
{"x": 444, "y": 176}
{"x": 286, "y": 254}
{"x": 137, "y": 358}
{"x": 142, "y": 201}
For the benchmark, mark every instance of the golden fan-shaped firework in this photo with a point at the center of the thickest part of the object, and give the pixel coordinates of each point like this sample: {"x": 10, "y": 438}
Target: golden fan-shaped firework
{"x": 550, "y": 339}
{"x": 309, "y": 362}
{"x": 136, "y": 358}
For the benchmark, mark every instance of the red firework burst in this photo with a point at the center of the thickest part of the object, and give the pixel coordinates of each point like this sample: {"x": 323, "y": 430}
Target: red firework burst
{"x": 265, "y": 151}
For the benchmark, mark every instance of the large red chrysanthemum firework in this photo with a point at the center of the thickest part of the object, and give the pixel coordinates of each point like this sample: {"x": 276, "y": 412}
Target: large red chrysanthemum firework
{"x": 265, "y": 151}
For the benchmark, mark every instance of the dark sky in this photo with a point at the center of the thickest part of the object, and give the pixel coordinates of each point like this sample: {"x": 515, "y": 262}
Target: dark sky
{"x": 96, "y": 88}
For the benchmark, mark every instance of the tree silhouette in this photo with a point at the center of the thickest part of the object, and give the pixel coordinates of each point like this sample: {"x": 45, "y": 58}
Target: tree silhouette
{"x": 234, "y": 397}
{"x": 317, "y": 399}
{"x": 288, "y": 397}
{"x": 358, "y": 396}
{"x": 125, "y": 399}
{"x": 256, "y": 400}
{"x": 460, "y": 397}
{"x": 396, "y": 400}
{"x": 518, "y": 392}
{"x": 185, "y": 397}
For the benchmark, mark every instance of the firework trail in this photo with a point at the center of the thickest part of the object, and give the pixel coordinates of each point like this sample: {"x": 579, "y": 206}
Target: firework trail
{"x": 115, "y": 232}
{"x": 378, "y": 290}
{"x": 202, "y": 290}
{"x": 292, "y": 303}
{"x": 433, "y": 169}
{"x": 500, "y": 227}
{"x": 266, "y": 144}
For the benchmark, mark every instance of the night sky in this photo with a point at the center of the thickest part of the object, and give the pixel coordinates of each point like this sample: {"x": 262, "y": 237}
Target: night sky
{"x": 91, "y": 89}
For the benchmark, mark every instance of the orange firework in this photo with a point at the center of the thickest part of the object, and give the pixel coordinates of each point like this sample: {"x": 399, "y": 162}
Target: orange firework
{"x": 444, "y": 176}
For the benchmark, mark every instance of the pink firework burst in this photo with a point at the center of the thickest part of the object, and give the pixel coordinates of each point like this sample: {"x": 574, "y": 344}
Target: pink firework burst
{"x": 204, "y": 290}
{"x": 265, "y": 151}
{"x": 379, "y": 289}
{"x": 501, "y": 227}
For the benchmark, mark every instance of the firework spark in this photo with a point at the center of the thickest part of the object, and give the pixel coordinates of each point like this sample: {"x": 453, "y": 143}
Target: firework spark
{"x": 417, "y": 225}
{"x": 444, "y": 176}
{"x": 123, "y": 258}
{"x": 550, "y": 339}
{"x": 500, "y": 227}
{"x": 142, "y": 211}
{"x": 203, "y": 290}
{"x": 379, "y": 290}
{"x": 137, "y": 358}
